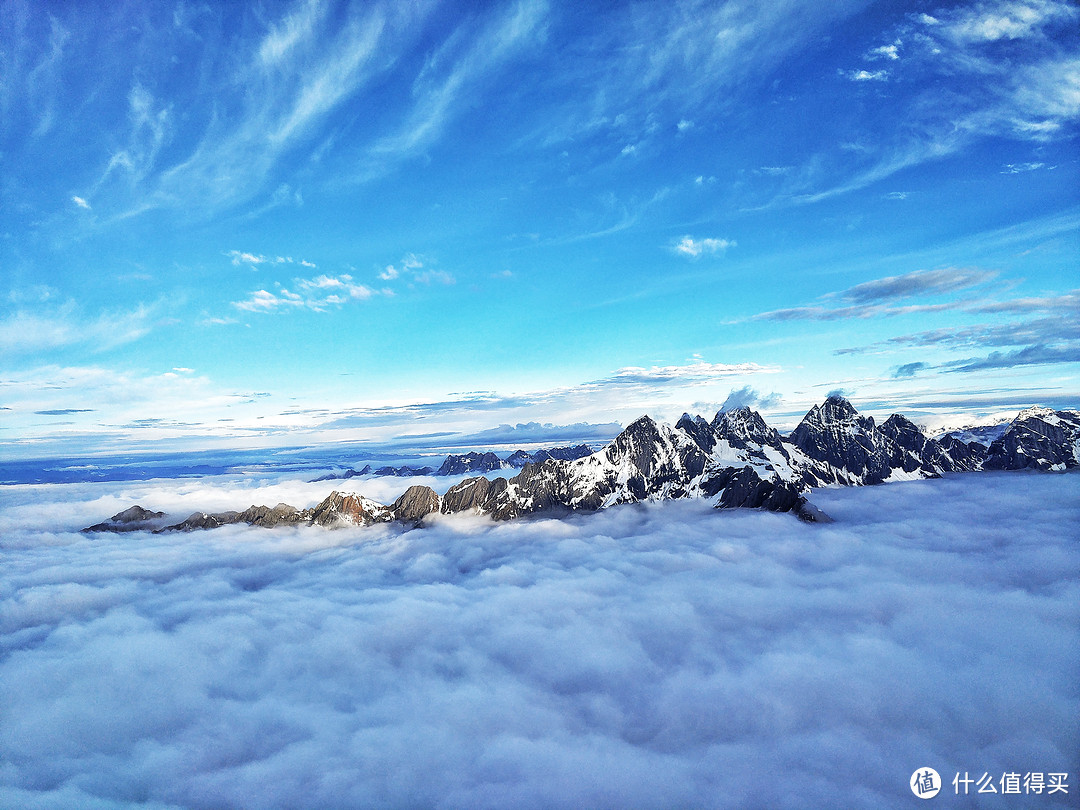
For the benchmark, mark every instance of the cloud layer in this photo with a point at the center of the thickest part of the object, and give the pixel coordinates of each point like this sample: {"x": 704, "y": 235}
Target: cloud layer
{"x": 650, "y": 656}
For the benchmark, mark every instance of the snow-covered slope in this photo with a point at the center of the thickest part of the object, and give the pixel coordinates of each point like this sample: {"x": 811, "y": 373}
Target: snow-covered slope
{"x": 736, "y": 460}
{"x": 1038, "y": 438}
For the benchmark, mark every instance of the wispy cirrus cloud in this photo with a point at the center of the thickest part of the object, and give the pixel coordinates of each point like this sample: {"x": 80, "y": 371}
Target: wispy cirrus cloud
{"x": 697, "y": 372}
{"x": 412, "y": 270}
{"x": 918, "y": 282}
{"x": 273, "y": 88}
{"x": 48, "y": 328}
{"x": 997, "y": 73}
{"x": 1003, "y": 20}
{"x": 1052, "y": 338}
{"x": 878, "y": 297}
{"x": 467, "y": 58}
{"x": 1014, "y": 333}
{"x": 1037, "y": 355}
{"x": 674, "y": 57}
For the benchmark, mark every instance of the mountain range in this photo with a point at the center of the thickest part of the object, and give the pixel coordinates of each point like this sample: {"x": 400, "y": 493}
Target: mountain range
{"x": 470, "y": 463}
{"x": 735, "y": 460}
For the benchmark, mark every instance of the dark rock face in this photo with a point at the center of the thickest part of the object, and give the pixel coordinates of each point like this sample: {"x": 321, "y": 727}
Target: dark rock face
{"x": 746, "y": 489}
{"x": 737, "y": 460}
{"x": 658, "y": 460}
{"x": 519, "y": 458}
{"x": 848, "y": 443}
{"x": 965, "y": 456}
{"x": 404, "y": 472}
{"x": 350, "y": 473}
{"x": 132, "y": 519}
{"x": 698, "y": 429}
{"x": 910, "y": 450}
{"x": 563, "y": 453}
{"x": 264, "y": 516}
{"x": 470, "y": 462}
{"x": 743, "y": 428}
{"x": 202, "y": 520}
{"x": 1039, "y": 439}
{"x": 477, "y": 494}
{"x": 416, "y": 503}
{"x": 543, "y": 487}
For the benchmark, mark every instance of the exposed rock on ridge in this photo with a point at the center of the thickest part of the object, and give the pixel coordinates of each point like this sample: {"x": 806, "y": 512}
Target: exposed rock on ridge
{"x": 736, "y": 460}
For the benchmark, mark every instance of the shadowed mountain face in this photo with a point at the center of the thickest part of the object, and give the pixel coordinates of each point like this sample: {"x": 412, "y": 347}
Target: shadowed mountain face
{"x": 1039, "y": 439}
{"x": 736, "y": 460}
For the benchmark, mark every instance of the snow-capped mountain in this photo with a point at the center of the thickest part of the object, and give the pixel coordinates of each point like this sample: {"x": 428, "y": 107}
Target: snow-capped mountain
{"x": 736, "y": 460}
{"x": 1038, "y": 438}
{"x": 981, "y": 434}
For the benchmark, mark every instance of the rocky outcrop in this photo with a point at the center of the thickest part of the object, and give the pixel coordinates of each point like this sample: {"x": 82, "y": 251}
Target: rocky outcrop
{"x": 472, "y": 495}
{"x": 350, "y": 473}
{"x": 268, "y": 517}
{"x": 345, "y": 509}
{"x": 698, "y": 429}
{"x": 132, "y": 519}
{"x": 848, "y": 444}
{"x": 965, "y": 456}
{"x": 404, "y": 472}
{"x": 470, "y": 463}
{"x": 202, "y": 520}
{"x": 415, "y": 504}
{"x": 736, "y": 461}
{"x": 1039, "y": 439}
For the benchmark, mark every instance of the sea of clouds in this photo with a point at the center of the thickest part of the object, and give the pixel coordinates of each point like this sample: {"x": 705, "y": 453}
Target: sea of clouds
{"x": 651, "y": 656}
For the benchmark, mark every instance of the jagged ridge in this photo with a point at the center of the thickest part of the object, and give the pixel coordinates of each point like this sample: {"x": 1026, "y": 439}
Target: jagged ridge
{"x": 736, "y": 460}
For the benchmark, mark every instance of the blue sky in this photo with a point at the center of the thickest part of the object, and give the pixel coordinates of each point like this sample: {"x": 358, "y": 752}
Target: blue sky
{"x": 280, "y": 224}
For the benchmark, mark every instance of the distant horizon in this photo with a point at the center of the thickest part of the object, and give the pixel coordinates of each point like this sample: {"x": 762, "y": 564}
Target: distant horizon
{"x": 420, "y": 450}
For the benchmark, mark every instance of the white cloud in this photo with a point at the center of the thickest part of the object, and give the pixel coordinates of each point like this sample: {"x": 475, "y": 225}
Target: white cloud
{"x": 865, "y": 75}
{"x": 890, "y": 52}
{"x": 263, "y": 301}
{"x": 1011, "y": 20}
{"x": 318, "y": 294}
{"x": 1021, "y": 168}
{"x": 79, "y": 201}
{"x": 240, "y": 257}
{"x": 51, "y": 328}
{"x": 684, "y": 125}
{"x": 688, "y": 246}
{"x": 243, "y": 257}
{"x": 695, "y": 372}
{"x": 622, "y": 659}
{"x": 409, "y": 267}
